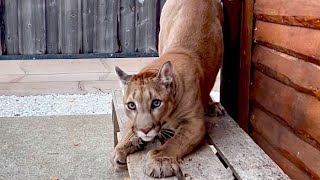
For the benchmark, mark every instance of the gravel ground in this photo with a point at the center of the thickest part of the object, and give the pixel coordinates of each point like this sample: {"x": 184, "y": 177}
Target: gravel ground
{"x": 53, "y": 105}
{"x": 57, "y": 105}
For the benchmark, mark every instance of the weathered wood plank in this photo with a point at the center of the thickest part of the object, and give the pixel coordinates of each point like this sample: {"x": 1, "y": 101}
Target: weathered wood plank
{"x": 105, "y": 39}
{"x": 32, "y": 29}
{"x": 291, "y": 169}
{"x": 297, "y": 12}
{"x": 300, "y": 111}
{"x": 245, "y": 64}
{"x": 52, "y": 29}
{"x": 11, "y": 26}
{"x": 42, "y": 88}
{"x": 202, "y": 164}
{"x": 146, "y": 32}
{"x": 279, "y": 66}
{"x": 68, "y": 66}
{"x": 296, "y": 41}
{"x": 127, "y": 30}
{"x": 2, "y": 29}
{"x": 70, "y": 27}
{"x": 87, "y": 25}
{"x": 246, "y": 159}
{"x": 291, "y": 146}
{"x": 118, "y": 106}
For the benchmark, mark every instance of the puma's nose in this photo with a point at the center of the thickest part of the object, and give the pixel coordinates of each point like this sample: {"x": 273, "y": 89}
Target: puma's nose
{"x": 145, "y": 130}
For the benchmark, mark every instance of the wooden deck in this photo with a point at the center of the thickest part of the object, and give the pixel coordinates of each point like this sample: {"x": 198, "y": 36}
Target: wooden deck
{"x": 237, "y": 156}
{"x": 69, "y": 76}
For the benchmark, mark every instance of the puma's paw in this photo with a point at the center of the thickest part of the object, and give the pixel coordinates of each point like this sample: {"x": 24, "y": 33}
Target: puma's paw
{"x": 161, "y": 167}
{"x": 215, "y": 109}
{"x": 119, "y": 160}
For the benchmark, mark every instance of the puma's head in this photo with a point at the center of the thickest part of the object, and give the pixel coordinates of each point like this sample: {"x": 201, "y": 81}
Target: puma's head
{"x": 148, "y": 99}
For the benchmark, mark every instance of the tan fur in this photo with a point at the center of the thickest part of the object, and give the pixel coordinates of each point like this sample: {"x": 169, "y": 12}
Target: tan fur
{"x": 191, "y": 39}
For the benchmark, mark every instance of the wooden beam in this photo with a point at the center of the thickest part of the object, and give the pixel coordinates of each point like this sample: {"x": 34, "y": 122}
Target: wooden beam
{"x": 303, "y": 155}
{"x": 245, "y": 64}
{"x": 291, "y": 169}
{"x": 299, "y": 42}
{"x": 297, "y": 12}
{"x": 230, "y": 67}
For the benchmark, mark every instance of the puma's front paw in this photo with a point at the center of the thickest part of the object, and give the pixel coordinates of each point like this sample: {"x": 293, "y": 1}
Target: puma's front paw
{"x": 215, "y": 109}
{"x": 161, "y": 167}
{"x": 119, "y": 160}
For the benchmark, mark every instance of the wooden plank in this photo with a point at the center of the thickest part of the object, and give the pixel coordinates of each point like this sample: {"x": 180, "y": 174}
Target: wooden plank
{"x": 11, "y": 26}
{"x": 202, "y": 164}
{"x": 288, "y": 167}
{"x": 292, "y": 147}
{"x": 127, "y": 31}
{"x": 105, "y": 39}
{"x": 245, "y": 64}
{"x": 296, "y": 41}
{"x": 72, "y": 87}
{"x": 52, "y": 33}
{"x": 87, "y": 25}
{"x": 70, "y": 66}
{"x": 298, "y": 110}
{"x": 297, "y": 12}
{"x": 117, "y": 98}
{"x": 32, "y": 29}
{"x": 245, "y": 158}
{"x": 279, "y": 66}
{"x": 2, "y": 29}
{"x": 70, "y": 27}
{"x": 146, "y": 32}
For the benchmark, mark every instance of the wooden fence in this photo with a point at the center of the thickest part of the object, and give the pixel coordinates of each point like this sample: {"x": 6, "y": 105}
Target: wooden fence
{"x": 79, "y": 26}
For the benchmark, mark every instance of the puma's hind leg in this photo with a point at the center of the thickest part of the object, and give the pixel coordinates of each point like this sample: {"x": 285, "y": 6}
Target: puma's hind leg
{"x": 214, "y": 109}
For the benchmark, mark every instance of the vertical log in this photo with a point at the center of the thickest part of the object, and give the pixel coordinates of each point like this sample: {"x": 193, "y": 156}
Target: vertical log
{"x": 245, "y": 64}
{"x": 230, "y": 68}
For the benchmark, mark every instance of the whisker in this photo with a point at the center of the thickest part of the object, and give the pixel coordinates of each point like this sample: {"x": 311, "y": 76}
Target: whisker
{"x": 168, "y": 131}
{"x": 167, "y": 135}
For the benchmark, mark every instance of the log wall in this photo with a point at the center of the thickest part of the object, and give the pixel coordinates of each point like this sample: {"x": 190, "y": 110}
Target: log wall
{"x": 285, "y": 90}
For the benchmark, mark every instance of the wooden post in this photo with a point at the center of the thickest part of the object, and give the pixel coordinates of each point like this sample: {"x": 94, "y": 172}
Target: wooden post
{"x": 230, "y": 68}
{"x": 245, "y": 64}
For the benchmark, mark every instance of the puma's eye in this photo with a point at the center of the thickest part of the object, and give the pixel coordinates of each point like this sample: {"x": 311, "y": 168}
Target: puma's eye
{"x": 131, "y": 106}
{"x": 155, "y": 103}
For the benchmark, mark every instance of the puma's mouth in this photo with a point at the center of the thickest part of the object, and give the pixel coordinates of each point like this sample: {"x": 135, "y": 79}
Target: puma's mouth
{"x": 149, "y": 136}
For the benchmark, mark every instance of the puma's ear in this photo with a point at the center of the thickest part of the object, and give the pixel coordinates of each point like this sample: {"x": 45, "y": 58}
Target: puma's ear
{"x": 124, "y": 77}
{"x": 165, "y": 73}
